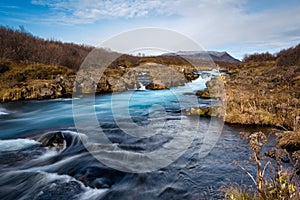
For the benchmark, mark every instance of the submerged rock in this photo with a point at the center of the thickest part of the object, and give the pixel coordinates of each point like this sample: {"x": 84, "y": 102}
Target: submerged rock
{"x": 58, "y": 190}
{"x": 54, "y": 140}
{"x": 280, "y": 154}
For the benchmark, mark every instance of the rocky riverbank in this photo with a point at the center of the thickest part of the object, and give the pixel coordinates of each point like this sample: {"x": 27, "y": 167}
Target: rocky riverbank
{"x": 21, "y": 81}
{"x": 34, "y": 81}
{"x": 260, "y": 93}
{"x": 263, "y": 93}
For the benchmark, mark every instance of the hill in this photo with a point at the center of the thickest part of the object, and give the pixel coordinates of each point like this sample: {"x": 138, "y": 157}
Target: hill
{"x": 205, "y": 55}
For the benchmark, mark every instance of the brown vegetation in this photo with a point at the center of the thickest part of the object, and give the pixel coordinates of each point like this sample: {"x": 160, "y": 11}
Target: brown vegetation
{"x": 290, "y": 140}
{"x": 286, "y": 57}
{"x": 263, "y": 93}
{"x": 262, "y": 57}
{"x": 289, "y": 57}
{"x": 21, "y": 46}
{"x": 279, "y": 184}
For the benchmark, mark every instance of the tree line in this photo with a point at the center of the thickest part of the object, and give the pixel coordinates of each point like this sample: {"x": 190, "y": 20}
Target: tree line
{"x": 285, "y": 57}
{"x": 21, "y": 46}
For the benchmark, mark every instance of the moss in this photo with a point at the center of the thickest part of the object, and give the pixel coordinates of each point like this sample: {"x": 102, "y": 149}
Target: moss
{"x": 213, "y": 111}
{"x": 23, "y": 81}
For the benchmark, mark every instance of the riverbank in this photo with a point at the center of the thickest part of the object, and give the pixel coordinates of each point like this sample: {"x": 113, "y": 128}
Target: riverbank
{"x": 265, "y": 94}
{"x": 34, "y": 81}
{"x": 21, "y": 81}
{"x": 261, "y": 93}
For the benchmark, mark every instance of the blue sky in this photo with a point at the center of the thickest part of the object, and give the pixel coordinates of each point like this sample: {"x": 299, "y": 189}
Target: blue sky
{"x": 236, "y": 26}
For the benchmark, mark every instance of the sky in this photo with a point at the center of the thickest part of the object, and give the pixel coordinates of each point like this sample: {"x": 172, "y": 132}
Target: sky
{"x": 239, "y": 27}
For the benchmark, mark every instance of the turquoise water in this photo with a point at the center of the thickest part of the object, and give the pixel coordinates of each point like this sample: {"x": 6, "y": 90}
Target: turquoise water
{"x": 18, "y": 119}
{"x": 32, "y": 171}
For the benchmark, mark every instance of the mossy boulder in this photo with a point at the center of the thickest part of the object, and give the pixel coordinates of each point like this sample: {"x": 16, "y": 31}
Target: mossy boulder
{"x": 213, "y": 111}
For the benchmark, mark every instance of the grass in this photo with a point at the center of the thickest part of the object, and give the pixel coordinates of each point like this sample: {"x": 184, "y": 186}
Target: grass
{"x": 27, "y": 81}
{"x": 22, "y": 74}
{"x": 235, "y": 192}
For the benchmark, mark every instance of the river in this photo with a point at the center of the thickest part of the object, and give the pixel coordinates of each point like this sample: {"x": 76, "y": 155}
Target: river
{"x": 30, "y": 170}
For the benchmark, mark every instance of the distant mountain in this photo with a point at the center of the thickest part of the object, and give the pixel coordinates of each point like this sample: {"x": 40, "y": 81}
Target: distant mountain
{"x": 205, "y": 55}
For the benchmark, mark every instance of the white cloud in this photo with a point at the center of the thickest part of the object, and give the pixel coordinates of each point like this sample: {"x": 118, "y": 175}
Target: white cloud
{"x": 213, "y": 24}
{"x": 88, "y": 11}
{"x": 216, "y": 24}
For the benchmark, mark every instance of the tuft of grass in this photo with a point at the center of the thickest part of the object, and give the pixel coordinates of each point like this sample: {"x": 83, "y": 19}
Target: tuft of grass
{"x": 234, "y": 192}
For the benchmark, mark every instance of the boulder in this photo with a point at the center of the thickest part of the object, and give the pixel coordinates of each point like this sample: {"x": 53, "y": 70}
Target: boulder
{"x": 213, "y": 111}
{"x": 204, "y": 94}
{"x": 214, "y": 89}
{"x": 156, "y": 86}
{"x": 54, "y": 140}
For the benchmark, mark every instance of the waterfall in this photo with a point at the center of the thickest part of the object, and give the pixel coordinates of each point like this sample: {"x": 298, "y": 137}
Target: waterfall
{"x": 141, "y": 86}
{"x": 135, "y": 87}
